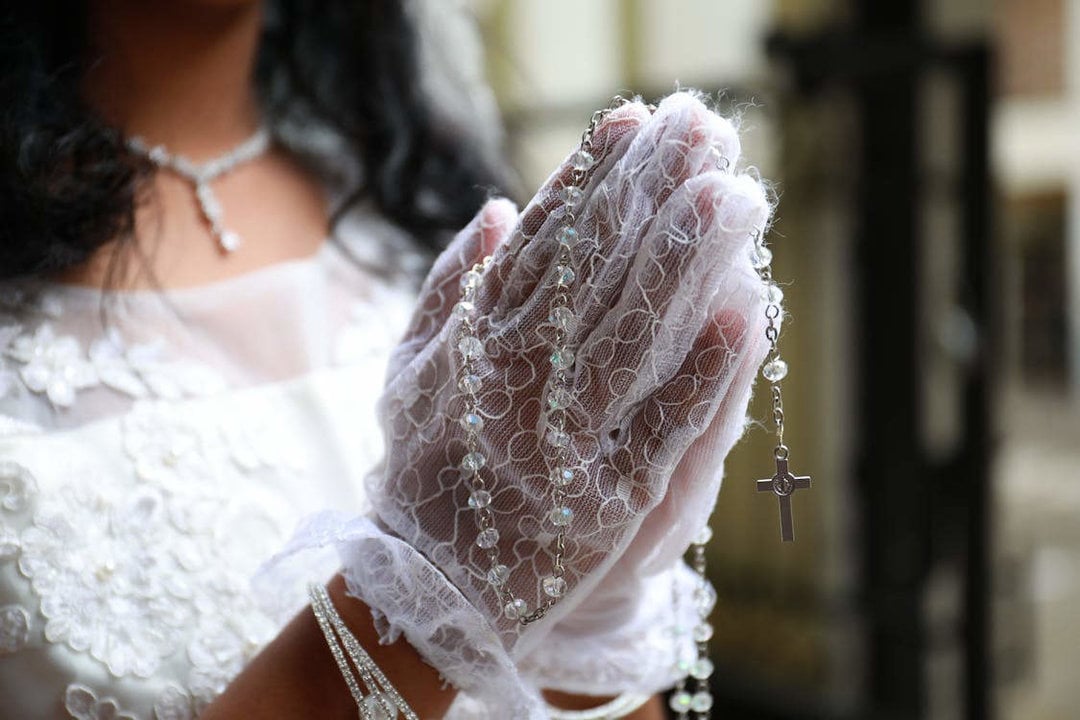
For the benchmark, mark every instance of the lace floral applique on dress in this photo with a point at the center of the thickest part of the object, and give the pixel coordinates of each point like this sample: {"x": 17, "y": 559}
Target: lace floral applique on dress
{"x": 107, "y": 585}
{"x": 173, "y": 704}
{"x": 52, "y": 365}
{"x": 17, "y": 485}
{"x": 16, "y": 488}
{"x": 82, "y": 703}
{"x": 14, "y": 628}
{"x": 57, "y": 367}
{"x": 133, "y": 568}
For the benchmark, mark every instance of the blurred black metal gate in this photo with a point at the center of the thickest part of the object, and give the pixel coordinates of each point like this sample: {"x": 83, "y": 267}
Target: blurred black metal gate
{"x": 916, "y": 511}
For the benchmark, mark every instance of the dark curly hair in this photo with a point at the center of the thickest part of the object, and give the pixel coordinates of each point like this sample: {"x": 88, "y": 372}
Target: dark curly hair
{"x": 68, "y": 185}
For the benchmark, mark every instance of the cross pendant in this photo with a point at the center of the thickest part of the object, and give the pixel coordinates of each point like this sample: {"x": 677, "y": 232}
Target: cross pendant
{"x": 783, "y": 484}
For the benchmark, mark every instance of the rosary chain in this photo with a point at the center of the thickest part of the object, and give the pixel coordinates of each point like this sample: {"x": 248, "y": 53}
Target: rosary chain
{"x": 775, "y": 368}
{"x": 558, "y": 393}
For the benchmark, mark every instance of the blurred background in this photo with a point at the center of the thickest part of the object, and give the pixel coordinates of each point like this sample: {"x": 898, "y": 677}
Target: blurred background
{"x": 928, "y": 164}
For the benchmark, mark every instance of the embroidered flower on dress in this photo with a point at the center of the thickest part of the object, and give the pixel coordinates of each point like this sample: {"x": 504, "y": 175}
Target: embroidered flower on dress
{"x": 8, "y": 378}
{"x": 107, "y": 582}
{"x": 14, "y": 628}
{"x": 163, "y": 448}
{"x": 53, "y": 365}
{"x": 136, "y": 568}
{"x": 173, "y": 704}
{"x": 82, "y": 704}
{"x": 16, "y": 486}
{"x": 109, "y": 358}
{"x": 224, "y": 645}
{"x": 9, "y": 543}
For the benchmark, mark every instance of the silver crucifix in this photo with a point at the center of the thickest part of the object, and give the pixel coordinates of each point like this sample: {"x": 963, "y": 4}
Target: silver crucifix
{"x": 783, "y": 484}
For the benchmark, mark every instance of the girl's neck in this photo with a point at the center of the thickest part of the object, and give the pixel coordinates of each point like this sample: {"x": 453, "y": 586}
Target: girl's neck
{"x": 176, "y": 73}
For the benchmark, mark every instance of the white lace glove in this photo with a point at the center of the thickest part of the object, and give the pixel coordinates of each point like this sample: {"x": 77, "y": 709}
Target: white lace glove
{"x": 619, "y": 638}
{"x": 667, "y": 309}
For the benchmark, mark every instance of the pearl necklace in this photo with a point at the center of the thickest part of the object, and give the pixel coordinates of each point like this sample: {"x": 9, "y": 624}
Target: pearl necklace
{"x": 202, "y": 174}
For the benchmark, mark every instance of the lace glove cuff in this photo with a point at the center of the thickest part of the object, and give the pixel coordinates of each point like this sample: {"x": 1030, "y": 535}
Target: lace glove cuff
{"x": 409, "y": 596}
{"x": 638, "y": 653}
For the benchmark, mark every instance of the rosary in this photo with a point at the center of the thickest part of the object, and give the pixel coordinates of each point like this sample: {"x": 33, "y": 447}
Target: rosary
{"x": 558, "y": 395}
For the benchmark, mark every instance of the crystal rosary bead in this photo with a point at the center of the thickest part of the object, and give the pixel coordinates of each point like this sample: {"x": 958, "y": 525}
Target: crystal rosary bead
{"x": 562, "y": 359}
{"x": 473, "y": 462}
{"x": 554, "y": 586}
{"x": 698, "y": 698}
{"x": 515, "y": 609}
{"x": 498, "y": 575}
{"x": 582, "y": 160}
{"x": 561, "y": 516}
{"x": 680, "y": 702}
{"x": 471, "y": 347}
{"x": 775, "y": 370}
{"x": 701, "y": 702}
{"x": 760, "y": 257}
{"x": 773, "y": 294}
{"x": 479, "y": 499}
{"x": 472, "y": 422}
{"x": 564, "y": 275}
{"x": 562, "y": 476}
{"x": 202, "y": 175}
{"x": 487, "y": 539}
{"x": 567, "y": 235}
{"x": 571, "y": 195}
{"x": 559, "y": 399}
{"x": 562, "y": 318}
{"x": 702, "y": 669}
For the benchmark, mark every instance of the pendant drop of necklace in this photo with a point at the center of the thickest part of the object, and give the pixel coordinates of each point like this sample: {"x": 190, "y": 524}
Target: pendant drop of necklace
{"x": 200, "y": 175}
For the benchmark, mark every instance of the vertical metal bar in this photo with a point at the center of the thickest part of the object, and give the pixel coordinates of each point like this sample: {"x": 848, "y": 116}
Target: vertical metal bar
{"x": 891, "y": 469}
{"x": 976, "y": 453}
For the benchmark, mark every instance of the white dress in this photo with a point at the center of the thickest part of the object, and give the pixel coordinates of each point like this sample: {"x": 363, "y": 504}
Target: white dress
{"x": 147, "y": 470}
